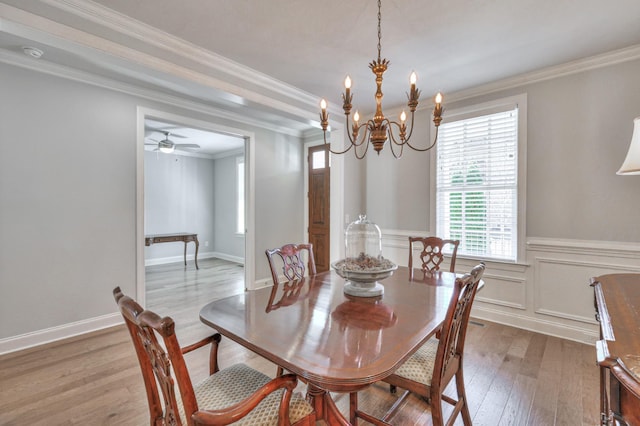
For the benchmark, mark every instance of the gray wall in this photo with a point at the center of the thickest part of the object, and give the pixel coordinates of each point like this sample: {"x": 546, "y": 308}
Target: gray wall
{"x": 68, "y": 197}
{"x": 579, "y": 129}
{"x": 279, "y": 192}
{"x": 178, "y": 197}
{"x": 226, "y": 240}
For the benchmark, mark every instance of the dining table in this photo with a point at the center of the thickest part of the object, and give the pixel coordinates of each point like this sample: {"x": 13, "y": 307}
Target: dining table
{"x": 333, "y": 341}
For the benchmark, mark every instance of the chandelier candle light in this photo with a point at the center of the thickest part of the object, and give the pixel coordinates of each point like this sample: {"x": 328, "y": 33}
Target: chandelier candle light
{"x": 378, "y": 129}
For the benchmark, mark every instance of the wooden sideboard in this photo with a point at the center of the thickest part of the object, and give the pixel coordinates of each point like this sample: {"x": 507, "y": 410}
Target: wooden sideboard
{"x": 617, "y": 301}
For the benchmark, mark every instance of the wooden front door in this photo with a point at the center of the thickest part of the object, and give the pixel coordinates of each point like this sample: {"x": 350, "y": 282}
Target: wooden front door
{"x": 318, "y": 194}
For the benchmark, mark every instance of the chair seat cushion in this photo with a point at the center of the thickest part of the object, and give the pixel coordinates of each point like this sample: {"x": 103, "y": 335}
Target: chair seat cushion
{"x": 234, "y": 384}
{"x": 419, "y": 368}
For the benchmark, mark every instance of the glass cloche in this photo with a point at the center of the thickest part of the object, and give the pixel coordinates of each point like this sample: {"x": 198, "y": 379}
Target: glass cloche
{"x": 363, "y": 239}
{"x": 364, "y": 265}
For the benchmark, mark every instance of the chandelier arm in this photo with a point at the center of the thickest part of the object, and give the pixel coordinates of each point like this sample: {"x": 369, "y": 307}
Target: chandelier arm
{"x": 353, "y": 139}
{"x": 353, "y": 144}
{"x": 411, "y": 128}
{"x": 399, "y": 126}
{"x": 340, "y": 152}
{"x": 364, "y": 140}
{"x": 392, "y": 137}
{"x": 393, "y": 151}
{"x": 360, "y": 157}
{"x": 328, "y": 145}
{"x": 425, "y": 149}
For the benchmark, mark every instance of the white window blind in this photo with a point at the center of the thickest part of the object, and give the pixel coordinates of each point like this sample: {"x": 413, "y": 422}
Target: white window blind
{"x": 477, "y": 184}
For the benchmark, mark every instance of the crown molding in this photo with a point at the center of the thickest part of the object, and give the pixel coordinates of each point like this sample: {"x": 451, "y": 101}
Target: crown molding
{"x": 26, "y": 24}
{"x": 72, "y": 74}
{"x": 581, "y": 65}
{"x": 158, "y": 39}
{"x": 125, "y": 25}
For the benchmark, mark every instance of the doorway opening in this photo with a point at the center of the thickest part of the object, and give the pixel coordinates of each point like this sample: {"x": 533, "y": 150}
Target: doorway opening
{"x": 193, "y": 178}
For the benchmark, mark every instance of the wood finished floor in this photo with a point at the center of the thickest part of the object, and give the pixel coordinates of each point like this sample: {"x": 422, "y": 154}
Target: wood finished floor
{"x": 513, "y": 377}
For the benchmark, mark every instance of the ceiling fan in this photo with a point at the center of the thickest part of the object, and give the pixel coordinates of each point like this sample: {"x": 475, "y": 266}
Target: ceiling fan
{"x": 168, "y": 146}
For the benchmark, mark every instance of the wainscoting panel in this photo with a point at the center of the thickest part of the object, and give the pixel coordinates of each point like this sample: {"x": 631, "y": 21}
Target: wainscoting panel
{"x": 548, "y": 293}
{"x": 503, "y": 291}
{"x": 562, "y": 287}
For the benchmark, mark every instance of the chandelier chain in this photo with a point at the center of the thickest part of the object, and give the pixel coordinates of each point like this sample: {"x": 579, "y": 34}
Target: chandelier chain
{"x": 379, "y": 29}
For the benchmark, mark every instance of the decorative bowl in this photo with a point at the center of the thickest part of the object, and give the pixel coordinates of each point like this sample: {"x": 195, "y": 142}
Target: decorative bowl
{"x": 364, "y": 282}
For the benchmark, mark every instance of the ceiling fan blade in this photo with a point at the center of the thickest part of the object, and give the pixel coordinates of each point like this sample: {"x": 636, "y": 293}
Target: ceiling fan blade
{"x": 187, "y": 145}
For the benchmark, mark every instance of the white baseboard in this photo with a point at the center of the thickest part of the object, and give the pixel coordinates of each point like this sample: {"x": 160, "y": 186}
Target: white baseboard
{"x": 228, "y": 257}
{"x": 207, "y": 255}
{"x": 587, "y": 334}
{"x": 265, "y": 282}
{"x": 52, "y": 334}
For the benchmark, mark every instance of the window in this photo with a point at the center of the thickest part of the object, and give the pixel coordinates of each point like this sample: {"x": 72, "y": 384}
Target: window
{"x": 240, "y": 195}
{"x": 479, "y": 182}
{"x": 317, "y": 161}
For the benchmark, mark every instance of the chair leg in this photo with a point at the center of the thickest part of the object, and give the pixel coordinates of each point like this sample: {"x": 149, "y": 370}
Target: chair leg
{"x": 462, "y": 396}
{"x": 392, "y": 389}
{"x": 436, "y": 409}
{"x": 353, "y": 407}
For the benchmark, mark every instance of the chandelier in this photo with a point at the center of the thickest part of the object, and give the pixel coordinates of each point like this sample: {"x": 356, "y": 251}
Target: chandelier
{"x": 378, "y": 129}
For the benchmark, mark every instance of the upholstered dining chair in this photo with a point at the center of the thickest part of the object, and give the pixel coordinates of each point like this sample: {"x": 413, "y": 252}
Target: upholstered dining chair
{"x": 292, "y": 266}
{"x": 429, "y": 370}
{"x": 292, "y": 261}
{"x": 234, "y": 394}
{"x": 431, "y": 255}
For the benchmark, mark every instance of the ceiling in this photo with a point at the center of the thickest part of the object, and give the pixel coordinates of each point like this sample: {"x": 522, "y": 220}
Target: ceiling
{"x": 211, "y": 144}
{"x": 275, "y": 59}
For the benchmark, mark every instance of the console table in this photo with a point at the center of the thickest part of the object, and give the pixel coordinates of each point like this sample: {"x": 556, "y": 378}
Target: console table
{"x": 617, "y": 297}
{"x": 170, "y": 238}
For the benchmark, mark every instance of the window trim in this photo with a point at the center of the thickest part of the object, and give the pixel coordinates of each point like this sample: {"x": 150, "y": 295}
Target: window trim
{"x": 519, "y": 101}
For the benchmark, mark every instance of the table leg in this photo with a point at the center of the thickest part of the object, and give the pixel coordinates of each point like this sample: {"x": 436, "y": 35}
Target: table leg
{"x": 324, "y": 406}
{"x": 185, "y": 253}
{"x": 196, "y": 256}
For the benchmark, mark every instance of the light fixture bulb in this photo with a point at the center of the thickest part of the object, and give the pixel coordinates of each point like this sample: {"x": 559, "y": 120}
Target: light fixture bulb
{"x": 439, "y": 98}
{"x": 403, "y": 116}
{"x": 356, "y": 116}
{"x": 347, "y": 82}
{"x": 413, "y": 78}
{"x": 323, "y": 104}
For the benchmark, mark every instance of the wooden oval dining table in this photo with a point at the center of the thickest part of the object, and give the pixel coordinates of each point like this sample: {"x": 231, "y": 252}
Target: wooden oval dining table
{"x": 335, "y": 342}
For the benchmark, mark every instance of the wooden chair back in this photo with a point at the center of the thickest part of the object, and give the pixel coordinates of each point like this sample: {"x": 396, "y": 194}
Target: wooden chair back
{"x": 239, "y": 388}
{"x": 431, "y": 256}
{"x": 454, "y": 329}
{"x": 429, "y": 371}
{"x": 292, "y": 261}
{"x": 159, "y": 366}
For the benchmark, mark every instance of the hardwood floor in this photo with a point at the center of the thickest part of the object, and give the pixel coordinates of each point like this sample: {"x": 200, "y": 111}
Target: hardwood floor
{"x": 512, "y": 376}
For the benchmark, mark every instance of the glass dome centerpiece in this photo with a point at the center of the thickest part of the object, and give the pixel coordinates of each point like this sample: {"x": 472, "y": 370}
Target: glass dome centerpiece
{"x": 364, "y": 265}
